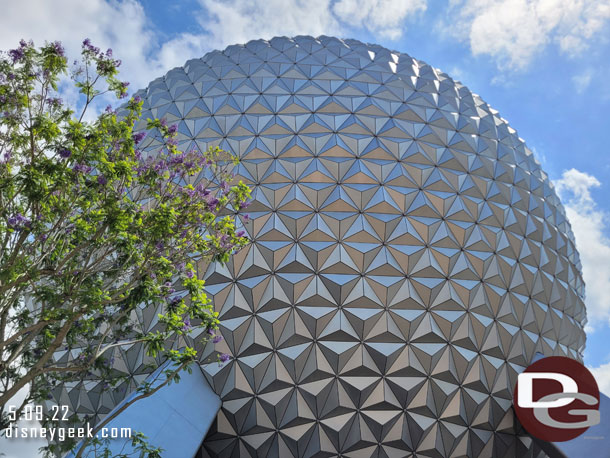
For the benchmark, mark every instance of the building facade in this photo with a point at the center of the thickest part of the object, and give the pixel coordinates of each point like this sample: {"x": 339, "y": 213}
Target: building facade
{"x": 409, "y": 257}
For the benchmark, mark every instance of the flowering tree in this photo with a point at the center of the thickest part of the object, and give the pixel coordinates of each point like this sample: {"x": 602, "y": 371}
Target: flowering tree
{"x": 91, "y": 230}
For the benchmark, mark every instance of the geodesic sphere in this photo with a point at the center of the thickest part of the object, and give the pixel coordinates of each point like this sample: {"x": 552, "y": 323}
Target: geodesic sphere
{"x": 409, "y": 257}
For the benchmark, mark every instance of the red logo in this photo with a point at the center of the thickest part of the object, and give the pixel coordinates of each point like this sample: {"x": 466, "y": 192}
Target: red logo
{"x": 556, "y": 399}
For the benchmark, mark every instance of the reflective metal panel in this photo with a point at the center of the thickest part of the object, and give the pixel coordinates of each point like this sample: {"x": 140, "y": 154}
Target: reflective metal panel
{"x": 409, "y": 255}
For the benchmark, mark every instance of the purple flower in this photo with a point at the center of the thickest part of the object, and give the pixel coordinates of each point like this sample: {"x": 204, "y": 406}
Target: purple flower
{"x": 163, "y": 122}
{"x": 212, "y": 201}
{"x": 240, "y": 233}
{"x": 59, "y": 49}
{"x": 137, "y": 99}
{"x": 55, "y": 101}
{"x": 17, "y": 54}
{"x": 172, "y": 129}
{"x": 159, "y": 246}
{"x": 176, "y": 159}
{"x": 18, "y": 222}
{"x": 224, "y": 358}
{"x": 123, "y": 89}
{"x": 65, "y": 153}
{"x": 89, "y": 47}
{"x": 109, "y": 52}
{"x": 189, "y": 274}
{"x": 168, "y": 289}
{"x": 81, "y": 168}
{"x": 223, "y": 240}
{"x": 138, "y": 137}
{"x": 216, "y": 339}
{"x": 101, "y": 180}
{"x": 187, "y": 324}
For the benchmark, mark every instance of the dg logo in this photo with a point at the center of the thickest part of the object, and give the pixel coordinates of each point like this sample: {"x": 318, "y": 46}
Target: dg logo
{"x": 556, "y": 399}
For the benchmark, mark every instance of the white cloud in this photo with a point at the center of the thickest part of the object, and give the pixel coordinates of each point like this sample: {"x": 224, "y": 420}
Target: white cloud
{"x": 119, "y": 25}
{"x": 383, "y": 17}
{"x": 178, "y": 50}
{"x": 237, "y": 21}
{"x": 583, "y": 80}
{"x": 589, "y": 223}
{"x": 602, "y": 376}
{"x": 123, "y": 26}
{"x": 514, "y": 31}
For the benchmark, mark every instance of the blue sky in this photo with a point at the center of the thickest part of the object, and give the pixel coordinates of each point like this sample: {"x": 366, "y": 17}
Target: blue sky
{"x": 543, "y": 64}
